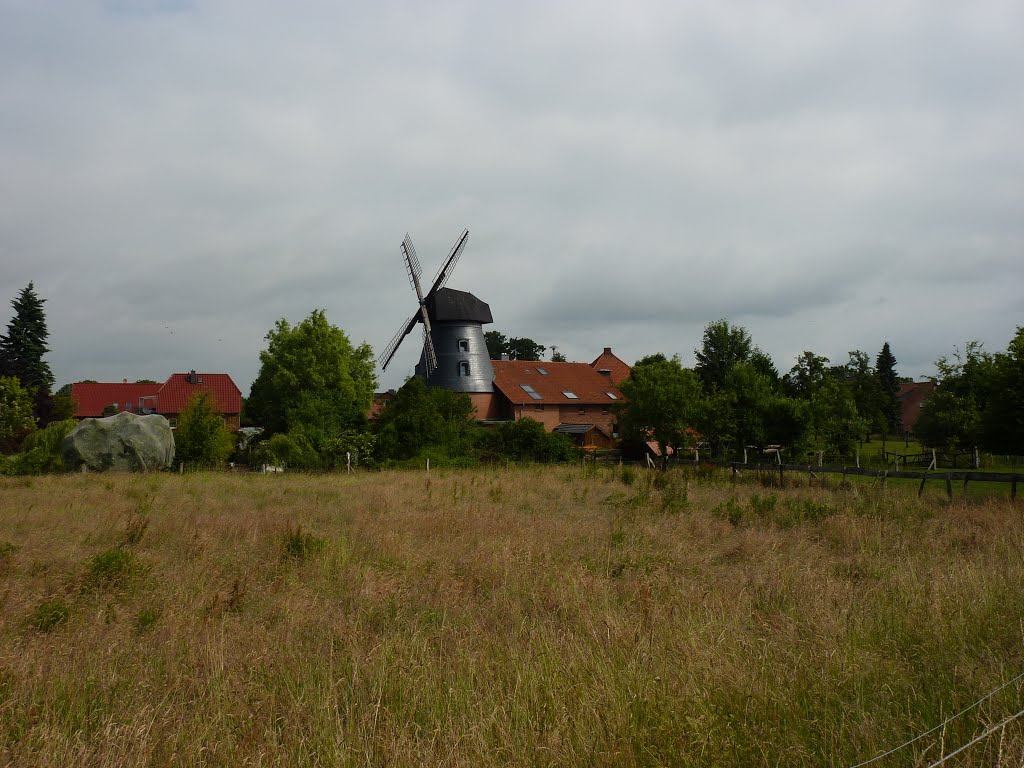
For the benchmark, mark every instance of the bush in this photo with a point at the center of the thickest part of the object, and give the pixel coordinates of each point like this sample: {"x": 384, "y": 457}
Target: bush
{"x": 110, "y": 568}
{"x": 298, "y": 545}
{"x": 50, "y": 614}
{"x": 527, "y": 440}
{"x": 40, "y": 451}
{"x": 201, "y": 439}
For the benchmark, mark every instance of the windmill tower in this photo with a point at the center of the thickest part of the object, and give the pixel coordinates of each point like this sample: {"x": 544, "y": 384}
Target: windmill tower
{"x": 454, "y": 352}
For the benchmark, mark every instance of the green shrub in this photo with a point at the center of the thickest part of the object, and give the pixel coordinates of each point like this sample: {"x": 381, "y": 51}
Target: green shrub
{"x": 298, "y": 545}
{"x": 763, "y": 506}
{"x": 146, "y": 619}
{"x": 202, "y": 439}
{"x": 50, "y": 614}
{"x": 110, "y": 568}
{"x": 729, "y": 510}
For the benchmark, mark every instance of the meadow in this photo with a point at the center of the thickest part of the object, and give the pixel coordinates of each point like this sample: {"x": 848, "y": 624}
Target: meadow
{"x": 516, "y": 616}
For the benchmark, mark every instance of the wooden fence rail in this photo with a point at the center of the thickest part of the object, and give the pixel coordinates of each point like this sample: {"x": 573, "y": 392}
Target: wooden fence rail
{"x": 812, "y": 470}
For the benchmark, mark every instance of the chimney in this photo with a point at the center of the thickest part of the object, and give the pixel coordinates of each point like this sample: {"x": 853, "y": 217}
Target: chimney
{"x": 607, "y": 350}
{"x": 504, "y": 355}
{"x": 124, "y": 381}
{"x": 192, "y": 376}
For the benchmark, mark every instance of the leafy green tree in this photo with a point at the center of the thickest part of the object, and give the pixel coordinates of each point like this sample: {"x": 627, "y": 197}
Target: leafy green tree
{"x": 527, "y": 440}
{"x": 888, "y": 379}
{"x": 201, "y": 439}
{"x": 1003, "y": 418}
{"x": 748, "y": 410}
{"x": 953, "y": 416}
{"x": 808, "y": 375}
{"x": 497, "y": 344}
{"x": 525, "y": 349}
{"x": 17, "y": 419}
{"x": 836, "y": 424}
{"x": 663, "y": 399}
{"x": 312, "y": 379}
{"x": 724, "y": 346}
{"x": 948, "y": 420}
{"x": 860, "y": 377}
{"x": 556, "y": 356}
{"x": 516, "y": 348}
{"x": 419, "y": 418}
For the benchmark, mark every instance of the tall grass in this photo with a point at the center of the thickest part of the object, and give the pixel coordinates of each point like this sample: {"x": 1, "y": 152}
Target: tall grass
{"x": 492, "y": 617}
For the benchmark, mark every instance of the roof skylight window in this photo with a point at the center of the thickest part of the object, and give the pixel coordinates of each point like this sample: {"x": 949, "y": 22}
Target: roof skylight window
{"x": 542, "y": 371}
{"x": 530, "y": 391}
{"x": 571, "y": 395}
{"x": 612, "y": 395}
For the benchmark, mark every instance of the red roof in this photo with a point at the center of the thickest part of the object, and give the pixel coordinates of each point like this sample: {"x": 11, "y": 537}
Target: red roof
{"x": 607, "y": 361}
{"x": 175, "y": 393}
{"x": 168, "y": 398}
{"x": 550, "y": 381}
{"x": 92, "y": 397}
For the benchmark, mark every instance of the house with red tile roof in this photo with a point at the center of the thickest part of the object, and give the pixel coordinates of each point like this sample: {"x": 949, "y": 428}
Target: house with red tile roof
{"x": 168, "y": 399}
{"x": 576, "y": 399}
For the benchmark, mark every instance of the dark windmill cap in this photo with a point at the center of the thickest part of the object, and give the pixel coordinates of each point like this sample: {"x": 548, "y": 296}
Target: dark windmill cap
{"x": 447, "y": 304}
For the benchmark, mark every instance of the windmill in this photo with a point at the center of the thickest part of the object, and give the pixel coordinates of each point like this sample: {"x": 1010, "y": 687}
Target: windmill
{"x": 454, "y": 352}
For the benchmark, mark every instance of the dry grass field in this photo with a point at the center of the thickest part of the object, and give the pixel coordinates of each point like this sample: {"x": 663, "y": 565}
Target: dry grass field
{"x": 538, "y": 616}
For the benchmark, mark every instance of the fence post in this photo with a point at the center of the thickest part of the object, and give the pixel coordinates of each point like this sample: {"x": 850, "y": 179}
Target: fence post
{"x": 821, "y": 457}
{"x": 977, "y": 458}
{"x": 923, "y": 478}
{"x": 856, "y": 457}
{"x": 949, "y": 487}
{"x": 428, "y": 466}
{"x": 348, "y": 461}
{"x": 744, "y": 455}
{"x": 1013, "y": 489}
{"x": 181, "y": 467}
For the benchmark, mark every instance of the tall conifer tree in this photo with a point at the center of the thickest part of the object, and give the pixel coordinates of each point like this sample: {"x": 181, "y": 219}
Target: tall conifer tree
{"x": 885, "y": 367}
{"x": 23, "y": 347}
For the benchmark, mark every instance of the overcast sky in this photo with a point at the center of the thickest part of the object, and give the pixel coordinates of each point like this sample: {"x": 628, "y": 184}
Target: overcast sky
{"x": 175, "y": 176}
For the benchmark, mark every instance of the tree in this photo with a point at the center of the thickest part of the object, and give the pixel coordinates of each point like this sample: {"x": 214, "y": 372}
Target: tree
{"x": 16, "y": 413}
{"x": 556, "y": 356}
{"x": 516, "y": 348}
{"x": 1003, "y": 418}
{"x": 807, "y": 376}
{"x": 723, "y": 347}
{"x": 312, "y": 379}
{"x": 23, "y": 347}
{"x": 497, "y": 344}
{"x": 527, "y": 440}
{"x": 952, "y": 416}
{"x": 201, "y": 439}
{"x": 663, "y": 399}
{"x": 888, "y": 379}
{"x": 22, "y": 350}
{"x": 865, "y": 387}
{"x": 419, "y": 418}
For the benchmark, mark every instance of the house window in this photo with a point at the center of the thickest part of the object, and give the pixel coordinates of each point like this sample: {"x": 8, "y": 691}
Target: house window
{"x": 571, "y": 395}
{"x": 604, "y": 411}
{"x": 583, "y": 411}
{"x": 542, "y": 371}
{"x": 463, "y": 345}
{"x": 612, "y": 395}
{"x": 538, "y": 407}
{"x": 173, "y": 422}
{"x": 463, "y": 368}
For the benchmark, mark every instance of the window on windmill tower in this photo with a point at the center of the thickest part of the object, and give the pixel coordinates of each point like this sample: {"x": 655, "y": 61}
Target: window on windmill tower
{"x": 463, "y": 345}
{"x": 463, "y": 368}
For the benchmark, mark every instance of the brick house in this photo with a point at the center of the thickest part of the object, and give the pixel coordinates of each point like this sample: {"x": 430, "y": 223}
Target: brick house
{"x": 168, "y": 399}
{"x": 573, "y": 398}
{"x": 911, "y": 396}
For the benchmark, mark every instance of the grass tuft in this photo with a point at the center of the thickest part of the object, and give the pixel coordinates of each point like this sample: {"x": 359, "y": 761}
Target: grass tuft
{"x": 50, "y": 614}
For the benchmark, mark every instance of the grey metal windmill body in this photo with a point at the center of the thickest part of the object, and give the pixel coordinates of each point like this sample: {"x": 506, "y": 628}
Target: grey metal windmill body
{"x": 454, "y": 354}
